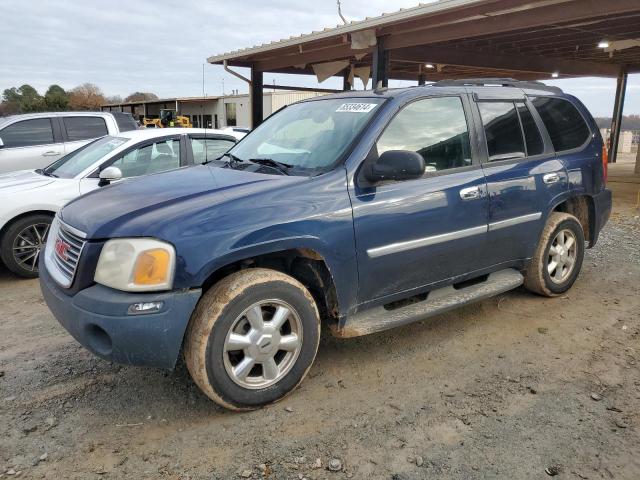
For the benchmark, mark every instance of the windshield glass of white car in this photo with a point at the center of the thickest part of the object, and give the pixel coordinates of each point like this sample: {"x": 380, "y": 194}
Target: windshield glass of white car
{"x": 306, "y": 138}
{"x": 79, "y": 160}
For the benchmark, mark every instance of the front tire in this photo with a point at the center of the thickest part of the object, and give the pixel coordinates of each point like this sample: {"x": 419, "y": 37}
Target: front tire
{"x": 22, "y": 243}
{"x": 252, "y": 338}
{"x": 558, "y": 258}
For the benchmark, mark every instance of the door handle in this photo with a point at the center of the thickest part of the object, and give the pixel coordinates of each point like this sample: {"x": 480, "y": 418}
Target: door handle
{"x": 551, "y": 178}
{"x": 470, "y": 193}
{"x": 50, "y": 153}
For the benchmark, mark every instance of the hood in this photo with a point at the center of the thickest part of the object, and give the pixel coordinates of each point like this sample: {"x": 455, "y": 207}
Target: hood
{"x": 140, "y": 206}
{"x": 22, "y": 180}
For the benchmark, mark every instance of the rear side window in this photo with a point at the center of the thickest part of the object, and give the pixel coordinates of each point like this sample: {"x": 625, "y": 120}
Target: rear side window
{"x": 125, "y": 122}
{"x": 532, "y": 137}
{"x": 209, "y": 149}
{"x": 436, "y": 128}
{"x": 564, "y": 123}
{"x": 28, "y": 133}
{"x": 84, "y": 128}
{"x": 502, "y": 130}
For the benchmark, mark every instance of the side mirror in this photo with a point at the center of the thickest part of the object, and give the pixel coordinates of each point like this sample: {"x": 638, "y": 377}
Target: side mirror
{"x": 397, "y": 165}
{"x": 108, "y": 175}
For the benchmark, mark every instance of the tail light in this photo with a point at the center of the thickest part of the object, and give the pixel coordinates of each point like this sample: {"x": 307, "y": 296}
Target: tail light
{"x": 605, "y": 162}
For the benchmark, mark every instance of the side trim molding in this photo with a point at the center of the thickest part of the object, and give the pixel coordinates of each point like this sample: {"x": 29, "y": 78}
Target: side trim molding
{"x": 509, "y": 222}
{"x": 445, "y": 237}
{"x": 423, "y": 242}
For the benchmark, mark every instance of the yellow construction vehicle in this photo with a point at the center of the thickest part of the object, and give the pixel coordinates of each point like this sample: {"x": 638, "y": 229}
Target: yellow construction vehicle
{"x": 168, "y": 118}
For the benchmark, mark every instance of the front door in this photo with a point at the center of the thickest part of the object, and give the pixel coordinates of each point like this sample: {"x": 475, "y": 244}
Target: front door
{"x": 413, "y": 233}
{"x": 29, "y": 144}
{"x": 523, "y": 177}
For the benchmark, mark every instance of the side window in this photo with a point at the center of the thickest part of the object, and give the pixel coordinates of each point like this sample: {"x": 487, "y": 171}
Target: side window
{"x": 436, "y": 128}
{"x": 564, "y": 123}
{"x": 532, "y": 137}
{"x": 84, "y": 128}
{"x": 502, "y": 130}
{"x": 125, "y": 121}
{"x": 154, "y": 158}
{"x": 209, "y": 149}
{"x": 28, "y": 133}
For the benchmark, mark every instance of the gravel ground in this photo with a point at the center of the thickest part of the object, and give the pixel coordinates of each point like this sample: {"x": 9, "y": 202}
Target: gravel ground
{"x": 514, "y": 387}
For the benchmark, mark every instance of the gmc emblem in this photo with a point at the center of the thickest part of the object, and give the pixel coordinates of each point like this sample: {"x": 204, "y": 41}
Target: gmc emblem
{"x": 61, "y": 249}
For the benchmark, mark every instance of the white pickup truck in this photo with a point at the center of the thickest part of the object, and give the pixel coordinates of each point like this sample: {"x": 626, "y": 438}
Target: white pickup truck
{"x": 36, "y": 140}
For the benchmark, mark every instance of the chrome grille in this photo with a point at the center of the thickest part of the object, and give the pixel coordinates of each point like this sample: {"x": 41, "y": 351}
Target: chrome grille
{"x": 66, "y": 252}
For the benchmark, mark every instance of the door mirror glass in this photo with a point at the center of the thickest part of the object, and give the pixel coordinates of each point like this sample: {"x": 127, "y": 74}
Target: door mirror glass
{"x": 1, "y": 143}
{"x": 397, "y": 165}
{"x": 109, "y": 174}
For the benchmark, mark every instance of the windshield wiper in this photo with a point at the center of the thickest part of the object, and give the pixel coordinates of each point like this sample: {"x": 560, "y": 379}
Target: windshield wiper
{"x": 270, "y": 162}
{"x": 233, "y": 160}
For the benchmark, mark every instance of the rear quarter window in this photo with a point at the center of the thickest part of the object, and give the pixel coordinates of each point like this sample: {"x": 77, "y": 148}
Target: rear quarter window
{"x": 563, "y": 121}
{"x": 84, "y": 127}
{"x": 125, "y": 122}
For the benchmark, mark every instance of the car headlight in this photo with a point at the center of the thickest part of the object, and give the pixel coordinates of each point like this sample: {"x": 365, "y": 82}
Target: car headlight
{"x": 136, "y": 265}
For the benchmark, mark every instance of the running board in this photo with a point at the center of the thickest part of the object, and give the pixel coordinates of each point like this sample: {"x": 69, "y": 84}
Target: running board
{"x": 438, "y": 301}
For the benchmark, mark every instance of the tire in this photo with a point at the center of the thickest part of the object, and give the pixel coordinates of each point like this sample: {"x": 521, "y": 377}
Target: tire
{"x": 22, "y": 243}
{"x": 551, "y": 275}
{"x": 226, "y": 315}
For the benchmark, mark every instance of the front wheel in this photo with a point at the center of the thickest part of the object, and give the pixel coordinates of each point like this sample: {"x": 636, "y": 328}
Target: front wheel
{"x": 22, "y": 243}
{"x": 558, "y": 257}
{"x": 252, "y": 338}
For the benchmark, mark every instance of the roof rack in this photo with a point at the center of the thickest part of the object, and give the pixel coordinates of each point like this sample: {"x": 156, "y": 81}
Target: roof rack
{"x": 502, "y": 82}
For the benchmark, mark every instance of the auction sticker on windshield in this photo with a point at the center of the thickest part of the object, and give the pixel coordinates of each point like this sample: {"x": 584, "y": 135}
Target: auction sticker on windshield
{"x": 356, "y": 107}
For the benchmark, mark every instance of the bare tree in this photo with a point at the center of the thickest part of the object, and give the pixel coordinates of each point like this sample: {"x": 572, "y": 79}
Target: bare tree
{"x": 86, "y": 97}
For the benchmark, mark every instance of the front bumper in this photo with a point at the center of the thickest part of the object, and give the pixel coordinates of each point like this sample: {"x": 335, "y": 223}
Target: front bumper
{"x": 602, "y": 204}
{"x": 97, "y": 318}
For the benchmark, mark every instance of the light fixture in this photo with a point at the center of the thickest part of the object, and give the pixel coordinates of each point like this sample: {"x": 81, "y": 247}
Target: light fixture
{"x": 603, "y": 44}
{"x": 555, "y": 74}
{"x": 430, "y": 65}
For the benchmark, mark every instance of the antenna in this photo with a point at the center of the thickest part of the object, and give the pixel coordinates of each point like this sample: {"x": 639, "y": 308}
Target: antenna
{"x": 204, "y": 102}
{"x": 340, "y": 12}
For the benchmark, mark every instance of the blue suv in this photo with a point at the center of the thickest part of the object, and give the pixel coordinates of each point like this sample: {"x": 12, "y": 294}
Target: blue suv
{"x": 360, "y": 211}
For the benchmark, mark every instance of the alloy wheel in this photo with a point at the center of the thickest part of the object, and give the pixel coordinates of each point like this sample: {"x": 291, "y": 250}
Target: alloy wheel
{"x": 562, "y": 256}
{"x": 28, "y": 244}
{"x": 263, "y": 344}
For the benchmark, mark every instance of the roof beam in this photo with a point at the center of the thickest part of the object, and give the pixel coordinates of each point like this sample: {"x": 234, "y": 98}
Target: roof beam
{"x": 533, "y": 64}
{"x": 330, "y": 54}
{"x": 533, "y": 17}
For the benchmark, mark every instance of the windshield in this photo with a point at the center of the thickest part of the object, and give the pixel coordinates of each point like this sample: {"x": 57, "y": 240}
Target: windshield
{"x": 306, "y": 138}
{"x": 79, "y": 160}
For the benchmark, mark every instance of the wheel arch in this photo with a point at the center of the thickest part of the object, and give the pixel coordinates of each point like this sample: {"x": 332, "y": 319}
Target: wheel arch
{"x": 583, "y": 208}
{"x": 22, "y": 215}
{"x": 307, "y": 265}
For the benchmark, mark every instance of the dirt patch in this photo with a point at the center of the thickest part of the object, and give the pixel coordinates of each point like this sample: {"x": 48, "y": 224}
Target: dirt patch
{"x": 504, "y": 388}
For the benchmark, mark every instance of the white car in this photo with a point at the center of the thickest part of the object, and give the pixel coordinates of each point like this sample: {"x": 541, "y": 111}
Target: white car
{"x": 34, "y": 140}
{"x": 30, "y": 198}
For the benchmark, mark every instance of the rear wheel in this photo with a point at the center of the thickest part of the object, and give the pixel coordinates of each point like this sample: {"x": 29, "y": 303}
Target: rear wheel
{"x": 558, "y": 257}
{"x": 252, "y": 338}
{"x": 22, "y": 243}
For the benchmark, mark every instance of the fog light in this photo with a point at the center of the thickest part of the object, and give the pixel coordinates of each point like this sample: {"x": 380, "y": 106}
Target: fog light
{"x": 144, "y": 307}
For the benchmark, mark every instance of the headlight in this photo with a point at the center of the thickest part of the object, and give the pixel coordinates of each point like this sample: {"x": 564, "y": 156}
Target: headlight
{"x": 136, "y": 265}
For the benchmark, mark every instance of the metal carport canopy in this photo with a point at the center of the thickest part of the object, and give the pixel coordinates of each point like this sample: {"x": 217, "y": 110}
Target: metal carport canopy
{"x": 522, "y": 39}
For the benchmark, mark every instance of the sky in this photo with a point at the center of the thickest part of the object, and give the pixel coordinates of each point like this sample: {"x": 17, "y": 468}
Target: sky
{"x": 160, "y": 46}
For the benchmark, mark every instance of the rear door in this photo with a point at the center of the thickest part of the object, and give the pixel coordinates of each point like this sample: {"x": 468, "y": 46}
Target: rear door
{"x": 523, "y": 175}
{"x": 81, "y": 129}
{"x": 29, "y": 144}
{"x": 413, "y": 233}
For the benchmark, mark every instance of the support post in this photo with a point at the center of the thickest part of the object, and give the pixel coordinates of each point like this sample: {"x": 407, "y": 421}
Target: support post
{"x": 345, "y": 80}
{"x": 616, "y": 121}
{"x": 380, "y": 65}
{"x": 144, "y": 110}
{"x": 256, "y": 97}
